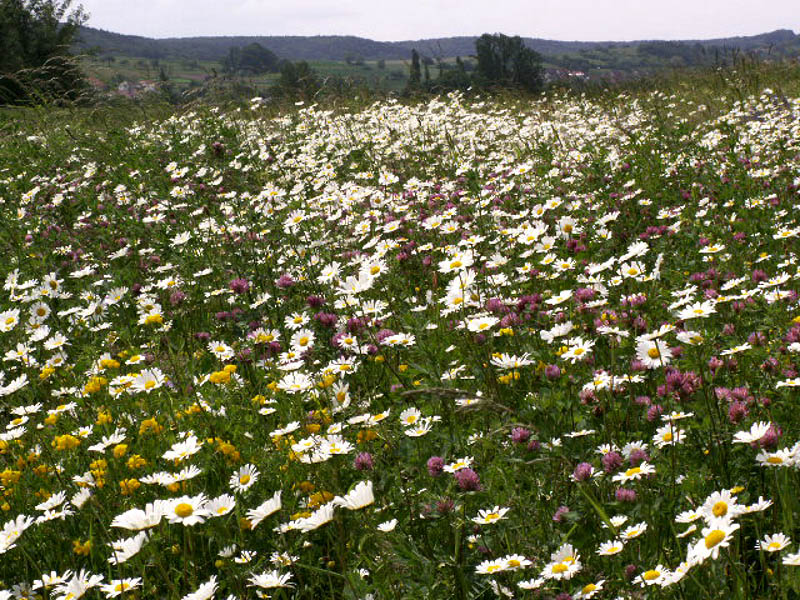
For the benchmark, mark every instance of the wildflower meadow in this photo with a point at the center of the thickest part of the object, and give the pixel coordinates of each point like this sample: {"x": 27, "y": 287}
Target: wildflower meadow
{"x": 467, "y": 347}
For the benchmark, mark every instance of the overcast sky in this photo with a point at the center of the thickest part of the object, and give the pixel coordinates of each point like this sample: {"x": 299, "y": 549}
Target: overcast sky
{"x": 594, "y": 20}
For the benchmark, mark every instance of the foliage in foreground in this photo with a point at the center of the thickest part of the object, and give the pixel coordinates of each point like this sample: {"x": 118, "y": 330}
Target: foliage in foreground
{"x": 35, "y": 63}
{"x": 458, "y": 349}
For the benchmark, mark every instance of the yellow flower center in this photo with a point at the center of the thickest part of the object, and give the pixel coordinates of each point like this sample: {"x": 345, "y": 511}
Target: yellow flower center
{"x": 10, "y": 320}
{"x": 244, "y": 479}
{"x": 149, "y": 385}
{"x": 714, "y": 538}
{"x": 303, "y": 341}
{"x": 775, "y": 460}
{"x": 559, "y": 568}
{"x": 121, "y": 587}
{"x": 588, "y": 588}
{"x": 578, "y": 351}
{"x": 184, "y": 510}
{"x": 720, "y": 509}
{"x": 667, "y": 437}
{"x": 455, "y": 264}
{"x": 651, "y": 575}
{"x": 774, "y": 546}
{"x": 633, "y": 471}
{"x": 653, "y": 353}
{"x": 492, "y": 516}
{"x": 493, "y": 568}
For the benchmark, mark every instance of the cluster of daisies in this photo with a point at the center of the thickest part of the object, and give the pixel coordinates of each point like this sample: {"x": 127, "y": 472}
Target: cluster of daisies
{"x": 292, "y": 357}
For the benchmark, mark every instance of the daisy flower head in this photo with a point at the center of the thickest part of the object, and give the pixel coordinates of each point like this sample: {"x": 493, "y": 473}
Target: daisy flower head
{"x": 755, "y": 433}
{"x": 206, "y": 590}
{"x": 780, "y": 458}
{"x": 481, "y": 324}
{"x": 578, "y": 350}
{"x": 693, "y": 338}
{"x": 589, "y": 590}
{"x": 719, "y": 505}
{"x": 387, "y": 526}
{"x": 220, "y": 350}
{"x": 265, "y": 509}
{"x": 561, "y": 570}
{"x": 516, "y": 561}
{"x": 653, "y": 353}
{"x": 759, "y": 505}
{"x": 410, "y": 416}
{"x": 125, "y": 548}
{"x": 792, "y": 560}
{"x": 221, "y": 505}
{"x": 302, "y": 340}
{"x": 531, "y": 584}
{"x": 271, "y": 579}
{"x": 183, "y": 450}
{"x": 655, "y": 576}
{"x": 187, "y": 510}
{"x": 490, "y": 567}
{"x": 611, "y": 548}
{"x": 688, "y": 516}
{"x": 359, "y": 497}
{"x": 668, "y": 435}
{"x": 697, "y": 310}
{"x": 137, "y": 519}
{"x": 635, "y": 473}
{"x": 244, "y": 478}
{"x": 147, "y": 381}
{"x": 116, "y": 587}
{"x": 458, "y": 464}
{"x": 773, "y": 543}
{"x": 487, "y": 517}
{"x": 633, "y": 531}
{"x": 715, "y": 536}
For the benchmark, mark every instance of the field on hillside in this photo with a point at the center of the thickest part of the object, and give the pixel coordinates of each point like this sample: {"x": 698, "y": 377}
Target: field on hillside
{"x": 465, "y": 348}
{"x": 186, "y": 75}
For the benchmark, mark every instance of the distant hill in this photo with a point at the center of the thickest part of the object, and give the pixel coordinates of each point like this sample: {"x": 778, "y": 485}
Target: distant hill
{"x": 339, "y": 48}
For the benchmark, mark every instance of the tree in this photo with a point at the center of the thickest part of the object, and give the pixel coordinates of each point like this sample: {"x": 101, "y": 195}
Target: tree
{"x": 297, "y": 80}
{"x": 415, "y": 76}
{"x": 506, "y": 62}
{"x": 35, "y": 61}
{"x": 452, "y": 79}
{"x": 251, "y": 59}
